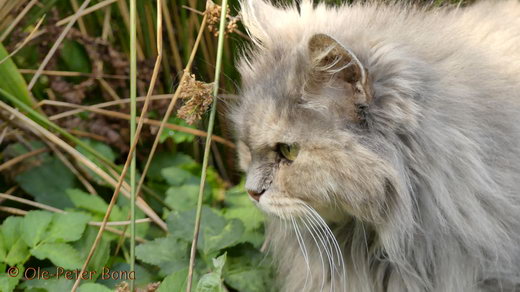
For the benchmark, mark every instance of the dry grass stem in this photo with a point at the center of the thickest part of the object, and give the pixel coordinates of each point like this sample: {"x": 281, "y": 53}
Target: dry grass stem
{"x": 44, "y": 133}
{"x": 120, "y": 115}
{"x": 86, "y": 11}
{"x": 72, "y": 74}
{"x": 56, "y": 45}
{"x": 17, "y": 19}
{"x": 25, "y": 41}
{"x": 10, "y": 163}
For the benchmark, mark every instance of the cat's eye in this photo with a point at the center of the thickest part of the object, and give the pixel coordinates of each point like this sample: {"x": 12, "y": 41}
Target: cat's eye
{"x": 288, "y": 151}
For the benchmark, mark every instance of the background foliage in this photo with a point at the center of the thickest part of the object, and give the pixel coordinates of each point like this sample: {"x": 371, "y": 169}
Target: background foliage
{"x": 52, "y": 201}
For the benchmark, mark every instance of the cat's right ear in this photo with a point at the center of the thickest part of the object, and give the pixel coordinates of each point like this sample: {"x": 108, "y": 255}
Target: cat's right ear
{"x": 259, "y": 17}
{"x": 331, "y": 61}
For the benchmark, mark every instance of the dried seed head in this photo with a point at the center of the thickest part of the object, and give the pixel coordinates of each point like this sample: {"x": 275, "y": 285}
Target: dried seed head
{"x": 213, "y": 10}
{"x": 197, "y": 99}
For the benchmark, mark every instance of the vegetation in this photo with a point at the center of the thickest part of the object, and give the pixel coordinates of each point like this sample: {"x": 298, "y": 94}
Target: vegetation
{"x": 73, "y": 84}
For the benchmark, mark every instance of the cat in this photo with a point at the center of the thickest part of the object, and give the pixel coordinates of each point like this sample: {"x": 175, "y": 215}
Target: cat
{"x": 383, "y": 143}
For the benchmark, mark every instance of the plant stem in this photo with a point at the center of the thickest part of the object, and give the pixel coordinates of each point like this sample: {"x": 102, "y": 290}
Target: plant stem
{"x": 207, "y": 147}
{"x": 133, "y": 111}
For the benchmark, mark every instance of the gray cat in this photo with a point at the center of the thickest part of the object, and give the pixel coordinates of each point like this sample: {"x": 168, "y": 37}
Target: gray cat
{"x": 383, "y": 143}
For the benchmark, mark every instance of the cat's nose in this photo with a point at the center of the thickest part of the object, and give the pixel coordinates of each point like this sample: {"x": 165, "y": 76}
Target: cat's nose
{"x": 255, "y": 195}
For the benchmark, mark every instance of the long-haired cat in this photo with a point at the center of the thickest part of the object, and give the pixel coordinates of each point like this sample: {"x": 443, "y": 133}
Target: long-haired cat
{"x": 383, "y": 142}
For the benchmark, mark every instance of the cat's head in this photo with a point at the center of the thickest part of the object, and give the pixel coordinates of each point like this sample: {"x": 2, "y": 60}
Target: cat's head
{"x": 305, "y": 124}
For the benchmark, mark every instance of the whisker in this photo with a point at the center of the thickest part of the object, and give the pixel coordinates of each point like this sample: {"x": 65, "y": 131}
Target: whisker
{"x": 303, "y": 248}
{"x": 330, "y": 259}
{"x": 322, "y": 225}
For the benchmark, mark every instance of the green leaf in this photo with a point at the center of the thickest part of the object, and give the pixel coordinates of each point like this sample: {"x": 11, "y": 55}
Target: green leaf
{"x": 169, "y": 253}
{"x": 216, "y": 232}
{"x": 182, "y": 198}
{"x": 177, "y": 281}
{"x": 212, "y": 282}
{"x": 34, "y": 225}
{"x": 248, "y": 270}
{"x": 11, "y": 230}
{"x": 102, "y": 254}
{"x": 60, "y": 254}
{"x": 3, "y": 248}
{"x": 177, "y": 136}
{"x": 12, "y": 81}
{"x": 248, "y": 280}
{"x": 100, "y": 148}
{"x": 176, "y": 176}
{"x": 67, "y": 227}
{"x": 16, "y": 251}
{"x": 166, "y": 159}
{"x": 74, "y": 57}
{"x": 47, "y": 183}
{"x": 49, "y": 285}
{"x": 86, "y": 201}
{"x": 8, "y": 283}
{"x": 251, "y": 217}
{"x": 94, "y": 287}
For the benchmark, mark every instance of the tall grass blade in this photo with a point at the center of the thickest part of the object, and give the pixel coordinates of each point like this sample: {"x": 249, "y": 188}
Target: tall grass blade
{"x": 207, "y": 147}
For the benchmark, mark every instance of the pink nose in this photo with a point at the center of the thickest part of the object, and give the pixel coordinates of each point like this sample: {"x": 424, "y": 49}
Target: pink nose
{"x": 255, "y": 195}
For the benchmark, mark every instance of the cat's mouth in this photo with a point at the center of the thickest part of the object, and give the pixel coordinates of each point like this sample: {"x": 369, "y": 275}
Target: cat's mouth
{"x": 281, "y": 206}
{"x": 285, "y": 207}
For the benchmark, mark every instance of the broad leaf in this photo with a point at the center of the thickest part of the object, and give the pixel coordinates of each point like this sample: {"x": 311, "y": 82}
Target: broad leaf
{"x": 216, "y": 232}
{"x": 212, "y": 282}
{"x": 67, "y": 227}
{"x": 60, "y": 254}
{"x": 94, "y": 287}
{"x": 34, "y": 225}
{"x": 47, "y": 183}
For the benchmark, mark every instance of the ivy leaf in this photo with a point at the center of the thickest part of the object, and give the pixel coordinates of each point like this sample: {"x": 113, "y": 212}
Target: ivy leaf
{"x": 47, "y": 182}
{"x": 67, "y": 227}
{"x": 212, "y": 282}
{"x": 34, "y": 225}
{"x": 94, "y": 287}
{"x": 60, "y": 254}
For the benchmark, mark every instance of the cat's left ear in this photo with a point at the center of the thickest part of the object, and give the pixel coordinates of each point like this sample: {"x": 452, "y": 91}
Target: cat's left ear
{"x": 332, "y": 61}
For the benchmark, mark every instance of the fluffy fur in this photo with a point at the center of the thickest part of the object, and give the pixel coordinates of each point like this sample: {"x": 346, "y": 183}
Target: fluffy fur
{"x": 424, "y": 193}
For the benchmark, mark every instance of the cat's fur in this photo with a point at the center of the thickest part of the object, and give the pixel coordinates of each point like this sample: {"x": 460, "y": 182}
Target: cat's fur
{"x": 416, "y": 172}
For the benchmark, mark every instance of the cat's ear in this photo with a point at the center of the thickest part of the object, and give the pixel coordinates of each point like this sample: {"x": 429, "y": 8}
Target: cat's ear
{"x": 261, "y": 19}
{"x": 331, "y": 61}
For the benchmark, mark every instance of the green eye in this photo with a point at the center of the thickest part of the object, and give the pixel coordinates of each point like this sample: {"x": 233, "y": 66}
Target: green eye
{"x": 289, "y": 152}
